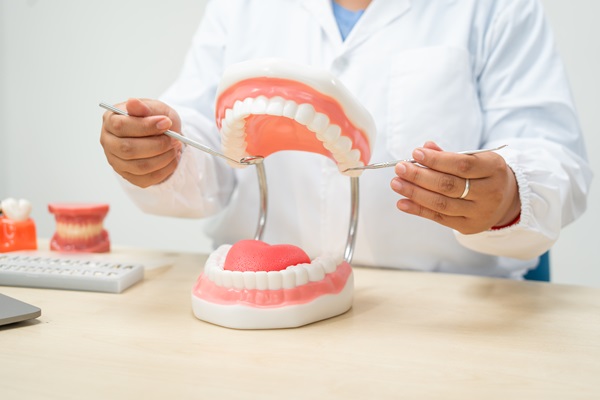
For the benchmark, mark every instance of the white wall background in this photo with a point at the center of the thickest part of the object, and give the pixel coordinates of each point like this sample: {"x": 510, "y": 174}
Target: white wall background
{"x": 59, "y": 58}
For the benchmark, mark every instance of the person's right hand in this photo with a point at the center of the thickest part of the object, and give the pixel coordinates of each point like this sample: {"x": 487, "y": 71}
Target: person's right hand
{"x": 135, "y": 145}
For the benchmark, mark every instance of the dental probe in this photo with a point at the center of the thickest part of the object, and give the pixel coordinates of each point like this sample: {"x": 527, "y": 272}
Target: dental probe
{"x": 412, "y": 160}
{"x": 250, "y": 160}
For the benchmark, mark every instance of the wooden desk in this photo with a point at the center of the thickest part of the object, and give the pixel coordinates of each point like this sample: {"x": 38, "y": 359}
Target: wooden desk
{"x": 408, "y": 335}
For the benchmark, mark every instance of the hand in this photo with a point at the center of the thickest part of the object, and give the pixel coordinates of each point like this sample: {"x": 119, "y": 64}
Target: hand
{"x": 434, "y": 192}
{"x": 135, "y": 146}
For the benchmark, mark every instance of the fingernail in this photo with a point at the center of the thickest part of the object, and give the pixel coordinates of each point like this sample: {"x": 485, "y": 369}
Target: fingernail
{"x": 396, "y": 184}
{"x": 403, "y": 206}
{"x": 418, "y": 155}
{"x": 400, "y": 169}
{"x": 163, "y": 124}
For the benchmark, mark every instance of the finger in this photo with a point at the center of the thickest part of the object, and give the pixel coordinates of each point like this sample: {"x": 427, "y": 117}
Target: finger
{"x": 146, "y": 118}
{"x": 137, "y": 108}
{"x": 151, "y": 178}
{"x": 410, "y": 207}
{"x": 130, "y": 148}
{"x": 143, "y": 166}
{"x": 432, "y": 145}
{"x": 480, "y": 165}
{"x": 429, "y": 200}
{"x": 149, "y": 107}
{"x": 126, "y": 126}
{"x": 448, "y": 185}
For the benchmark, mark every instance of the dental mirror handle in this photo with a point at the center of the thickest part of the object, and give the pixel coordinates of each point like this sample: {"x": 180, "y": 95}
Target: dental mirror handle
{"x": 412, "y": 160}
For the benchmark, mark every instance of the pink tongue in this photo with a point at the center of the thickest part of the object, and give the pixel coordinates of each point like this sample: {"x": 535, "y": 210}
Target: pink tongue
{"x": 254, "y": 255}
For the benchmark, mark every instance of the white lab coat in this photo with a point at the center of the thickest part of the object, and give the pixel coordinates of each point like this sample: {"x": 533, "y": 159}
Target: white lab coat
{"x": 465, "y": 73}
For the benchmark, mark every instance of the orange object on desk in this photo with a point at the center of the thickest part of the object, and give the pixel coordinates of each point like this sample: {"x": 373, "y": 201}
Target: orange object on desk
{"x": 17, "y": 235}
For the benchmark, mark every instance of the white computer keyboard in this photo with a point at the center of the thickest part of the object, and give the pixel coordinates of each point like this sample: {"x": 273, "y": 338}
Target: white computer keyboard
{"x": 73, "y": 272}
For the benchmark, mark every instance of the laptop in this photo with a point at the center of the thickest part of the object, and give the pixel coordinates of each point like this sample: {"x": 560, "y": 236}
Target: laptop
{"x": 13, "y": 310}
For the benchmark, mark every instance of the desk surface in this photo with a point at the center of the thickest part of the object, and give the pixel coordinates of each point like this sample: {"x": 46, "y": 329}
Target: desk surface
{"x": 408, "y": 335}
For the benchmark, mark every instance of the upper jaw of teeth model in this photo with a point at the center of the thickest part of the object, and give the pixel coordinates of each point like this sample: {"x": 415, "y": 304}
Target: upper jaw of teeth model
{"x": 265, "y": 106}
{"x": 269, "y": 105}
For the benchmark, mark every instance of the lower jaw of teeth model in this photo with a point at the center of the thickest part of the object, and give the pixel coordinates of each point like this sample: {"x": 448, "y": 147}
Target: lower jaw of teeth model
{"x": 17, "y": 230}
{"x": 265, "y": 106}
{"x": 79, "y": 228}
{"x": 281, "y": 292}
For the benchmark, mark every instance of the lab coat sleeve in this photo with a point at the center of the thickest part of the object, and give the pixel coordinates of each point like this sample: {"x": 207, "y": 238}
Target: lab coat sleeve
{"x": 202, "y": 184}
{"x": 527, "y": 104}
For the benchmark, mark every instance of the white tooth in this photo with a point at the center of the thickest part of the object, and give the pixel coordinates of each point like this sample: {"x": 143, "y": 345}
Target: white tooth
{"x": 305, "y": 114}
{"x": 352, "y": 174}
{"x": 316, "y": 272}
{"x": 319, "y": 123}
{"x": 238, "y": 280}
{"x": 231, "y": 121}
{"x": 260, "y": 106}
{"x": 211, "y": 274}
{"x": 238, "y": 133}
{"x": 233, "y": 141}
{"x": 228, "y": 130}
{"x": 262, "y": 280}
{"x": 275, "y": 106}
{"x": 353, "y": 155}
{"x": 289, "y": 109}
{"x": 342, "y": 166}
{"x": 342, "y": 145}
{"x": 239, "y": 110}
{"x": 16, "y": 210}
{"x": 301, "y": 274}
{"x": 350, "y": 157}
{"x": 218, "y": 277}
{"x": 249, "y": 280}
{"x": 224, "y": 127}
{"x": 288, "y": 278}
{"x": 275, "y": 280}
{"x": 247, "y": 106}
{"x": 331, "y": 134}
{"x": 227, "y": 279}
{"x": 328, "y": 265}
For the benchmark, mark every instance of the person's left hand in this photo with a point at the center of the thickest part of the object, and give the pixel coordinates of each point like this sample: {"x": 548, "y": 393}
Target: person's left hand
{"x": 434, "y": 192}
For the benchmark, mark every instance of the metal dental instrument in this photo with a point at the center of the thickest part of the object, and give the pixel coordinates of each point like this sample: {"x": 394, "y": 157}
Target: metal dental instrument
{"x": 250, "y": 160}
{"x": 412, "y": 160}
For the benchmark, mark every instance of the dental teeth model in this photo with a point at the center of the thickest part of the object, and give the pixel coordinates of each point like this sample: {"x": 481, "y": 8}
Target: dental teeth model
{"x": 79, "y": 228}
{"x": 17, "y": 230}
{"x": 265, "y": 106}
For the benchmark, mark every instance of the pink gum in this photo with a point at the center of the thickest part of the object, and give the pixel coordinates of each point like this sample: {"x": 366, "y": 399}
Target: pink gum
{"x": 333, "y": 283}
{"x": 290, "y": 135}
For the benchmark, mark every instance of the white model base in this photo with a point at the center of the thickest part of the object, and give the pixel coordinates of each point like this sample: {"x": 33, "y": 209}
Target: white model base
{"x": 291, "y": 316}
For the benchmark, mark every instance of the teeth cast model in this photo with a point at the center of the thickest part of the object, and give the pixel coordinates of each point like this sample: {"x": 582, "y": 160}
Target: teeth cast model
{"x": 79, "y": 228}
{"x": 17, "y": 230}
{"x": 265, "y": 106}
{"x": 16, "y": 210}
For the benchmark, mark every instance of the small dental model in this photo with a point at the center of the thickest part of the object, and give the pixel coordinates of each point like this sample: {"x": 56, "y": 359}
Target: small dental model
{"x": 265, "y": 106}
{"x": 17, "y": 229}
{"x": 79, "y": 228}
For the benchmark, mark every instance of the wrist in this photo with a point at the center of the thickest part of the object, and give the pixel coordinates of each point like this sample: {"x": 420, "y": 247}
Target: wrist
{"x": 509, "y": 224}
